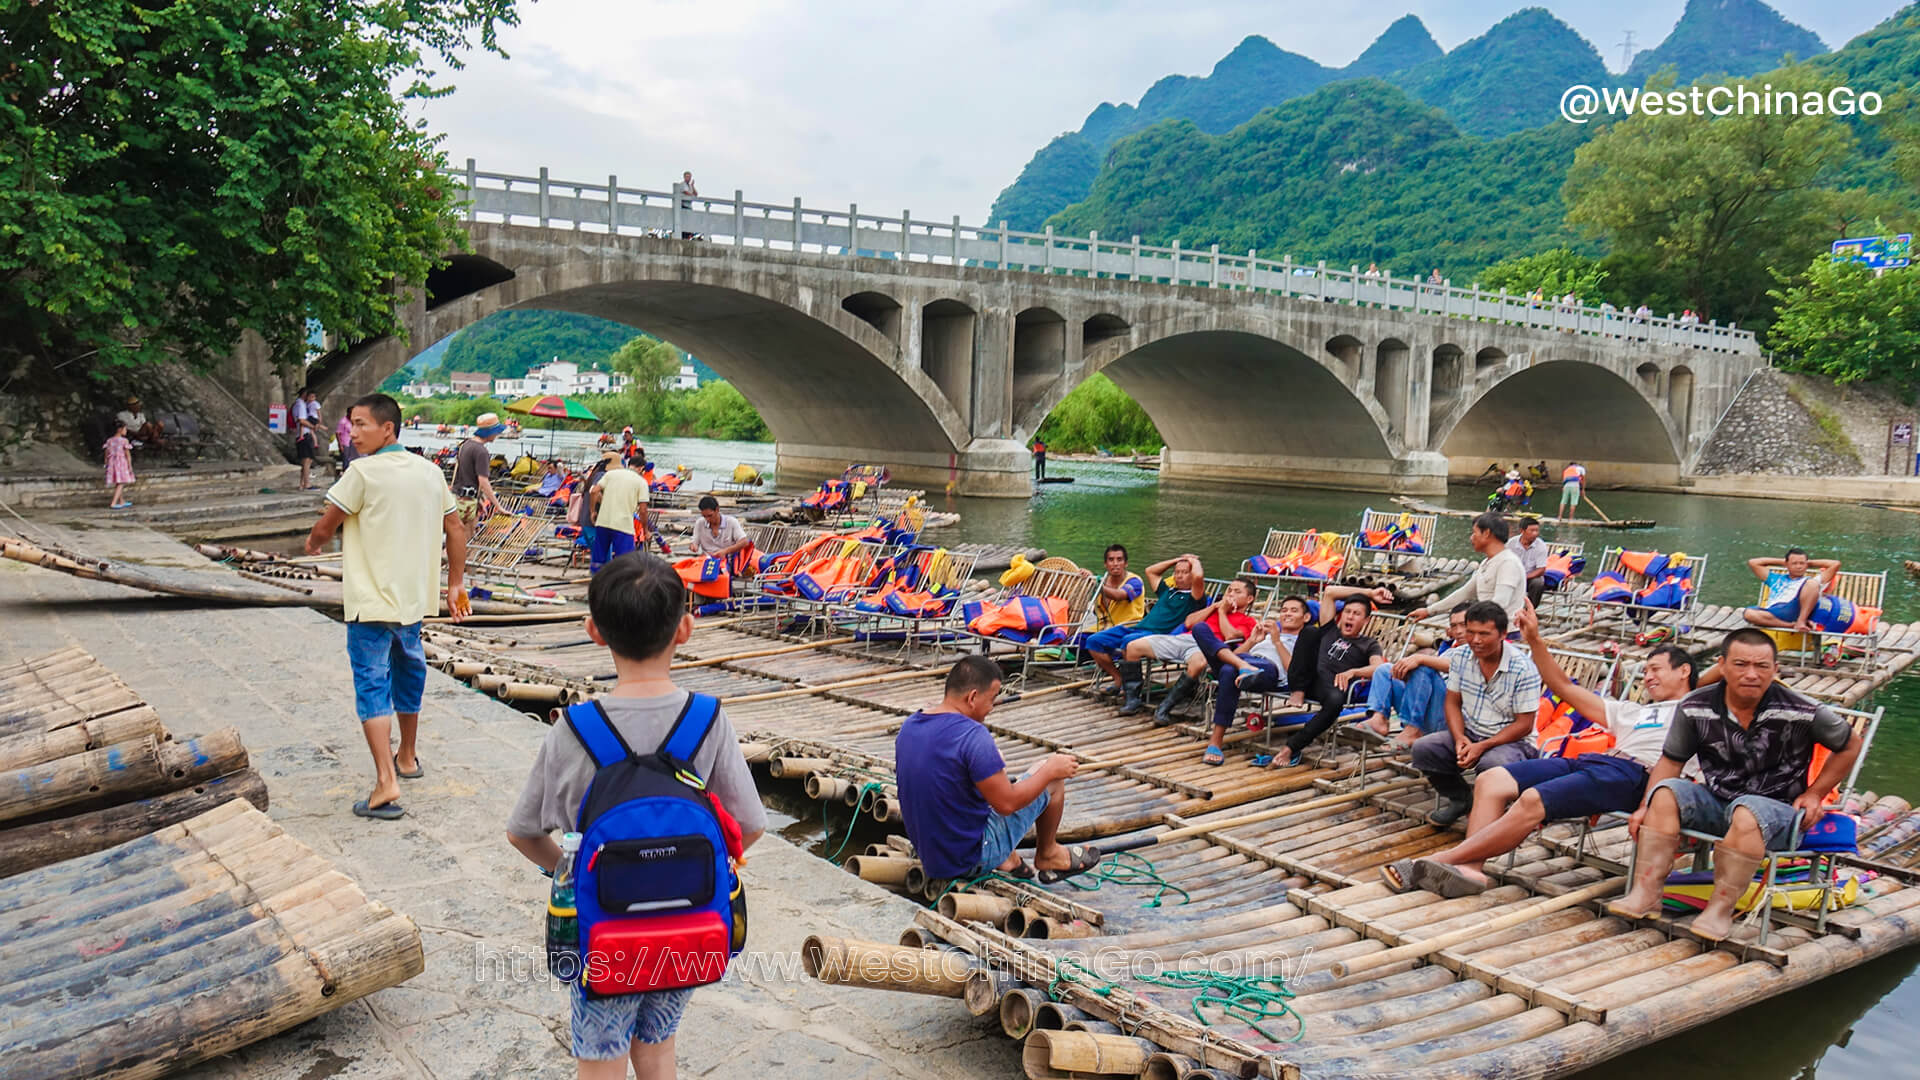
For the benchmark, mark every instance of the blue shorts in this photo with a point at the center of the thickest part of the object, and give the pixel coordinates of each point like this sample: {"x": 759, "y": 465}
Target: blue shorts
{"x": 607, "y": 545}
{"x": 604, "y": 1028}
{"x": 389, "y": 668}
{"x": 1582, "y": 786}
{"x": 1112, "y": 642}
{"x": 1703, "y": 811}
{"x": 1005, "y": 831}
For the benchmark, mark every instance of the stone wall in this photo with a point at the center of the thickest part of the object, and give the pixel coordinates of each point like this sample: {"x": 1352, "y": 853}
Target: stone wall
{"x": 1802, "y": 425}
{"x": 59, "y": 415}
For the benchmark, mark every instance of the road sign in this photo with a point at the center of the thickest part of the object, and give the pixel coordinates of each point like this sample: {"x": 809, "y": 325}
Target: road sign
{"x": 1876, "y": 252}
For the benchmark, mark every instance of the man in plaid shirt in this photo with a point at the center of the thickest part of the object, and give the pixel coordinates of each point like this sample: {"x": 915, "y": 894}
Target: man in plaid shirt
{"x": 1493, "y": 690}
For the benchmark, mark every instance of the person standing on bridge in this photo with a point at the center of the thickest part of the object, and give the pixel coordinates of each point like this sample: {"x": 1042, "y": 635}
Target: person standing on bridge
{"x": 1039, "y": 449}
{"x": 687, "y": 192}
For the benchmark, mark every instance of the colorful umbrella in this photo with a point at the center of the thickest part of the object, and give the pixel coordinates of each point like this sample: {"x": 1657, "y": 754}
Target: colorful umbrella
{"x": 555, "y": 408}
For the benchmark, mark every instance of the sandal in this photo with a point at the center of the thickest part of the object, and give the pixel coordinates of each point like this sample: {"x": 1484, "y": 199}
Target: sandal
{"x": 1399, "y": 875}
{"x": 1022, "y": 872}
{"x": 419, "y": 770}
{"x": 1214, "y": 755}
{"x": 392, "y": 811}
{"x": 1080, "y": 859}
{"x": 1445, "y": 880}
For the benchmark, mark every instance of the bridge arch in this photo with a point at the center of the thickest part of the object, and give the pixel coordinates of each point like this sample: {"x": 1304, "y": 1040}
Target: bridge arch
{"x": 463, "y": 275}
{"x": 1565, "y": 410}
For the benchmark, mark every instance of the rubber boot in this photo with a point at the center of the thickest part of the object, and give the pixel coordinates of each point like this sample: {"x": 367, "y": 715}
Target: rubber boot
{"x": 1180, "y": 693}
{"x": 1131, "y": 678}
{"x": 1733, "y": 871}
{"x": 1652, "y": 862}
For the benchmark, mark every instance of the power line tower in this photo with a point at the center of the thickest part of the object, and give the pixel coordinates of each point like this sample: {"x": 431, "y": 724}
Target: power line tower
{"x": 1626, "y": 51}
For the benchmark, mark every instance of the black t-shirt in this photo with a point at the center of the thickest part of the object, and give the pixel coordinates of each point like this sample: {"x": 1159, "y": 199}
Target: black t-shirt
{"x": 469, "y": 465}
{"x": 1337, "y": 654}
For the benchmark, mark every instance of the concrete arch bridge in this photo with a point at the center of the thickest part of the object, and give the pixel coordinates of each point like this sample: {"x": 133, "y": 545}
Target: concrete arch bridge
{"x": 938, "y": 349}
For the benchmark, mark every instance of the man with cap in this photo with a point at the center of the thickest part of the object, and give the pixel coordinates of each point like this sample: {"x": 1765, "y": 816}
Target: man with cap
{"x": 472, "y": 486}
{"x": 143, "y": 431}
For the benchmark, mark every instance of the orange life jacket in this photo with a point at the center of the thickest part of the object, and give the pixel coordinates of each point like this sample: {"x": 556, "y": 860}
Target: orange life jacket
{"x": 705, "y": 576}
{"x": 1560, "y": 731}
{"x": 1019, "y": 618}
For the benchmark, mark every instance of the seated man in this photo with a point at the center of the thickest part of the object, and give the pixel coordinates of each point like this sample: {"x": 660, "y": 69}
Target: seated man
{"x": 1326, "y": 667}
{"x": 1493, "y": 692}
{"x": 719, "y": 535}
{"x": 1754, "y": 740}
{"x": 1223, "y": 621}
{"x": 1511, "y": 801}
{"x": 962, "y": 813}
{"x": 1415, "y": 686}
{"x": 1795, "y": 600}
{"x": 1259, "y": 665}
{"x": 1119, "y": 601}
{"x": 1173, "y": 601}
{"x": 142, "y": 431}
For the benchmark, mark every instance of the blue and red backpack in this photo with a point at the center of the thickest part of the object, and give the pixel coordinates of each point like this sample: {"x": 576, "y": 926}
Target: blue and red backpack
{"x": 660, "y": 907}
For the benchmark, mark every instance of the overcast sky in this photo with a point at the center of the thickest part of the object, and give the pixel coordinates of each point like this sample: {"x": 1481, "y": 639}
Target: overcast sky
{"x": 905, "y": 106}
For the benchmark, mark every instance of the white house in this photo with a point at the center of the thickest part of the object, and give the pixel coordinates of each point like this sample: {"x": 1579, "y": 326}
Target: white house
{"x": 425, "y": 389}
{"x": 560, "y": 378}
{"x": 686, "y": 380}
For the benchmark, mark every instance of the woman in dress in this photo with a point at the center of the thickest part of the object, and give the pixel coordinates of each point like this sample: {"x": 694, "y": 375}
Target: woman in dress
{"x": 119, "y": 455}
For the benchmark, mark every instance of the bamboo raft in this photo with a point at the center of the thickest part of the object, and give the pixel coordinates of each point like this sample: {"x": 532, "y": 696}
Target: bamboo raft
{"x": 184, "y": 944}
{"x": 1545, "y": 517}
{"x": 85, "y": 764}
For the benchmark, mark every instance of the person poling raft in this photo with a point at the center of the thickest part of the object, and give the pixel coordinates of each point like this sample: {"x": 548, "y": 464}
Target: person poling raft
{"x": 1797, "y": 601}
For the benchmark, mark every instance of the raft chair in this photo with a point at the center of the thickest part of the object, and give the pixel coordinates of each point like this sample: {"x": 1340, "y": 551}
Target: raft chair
{"x": 1395, "y": 542}
{"x": 1280, "y": 558}
{"x": 855, "y": 569}
{"x": 1559, "y": 599}
{"x": 1618, "y": 587}
{"x": 1864, "y": 591}
{"x": 919, "y": 605}
{"x": 1151, "y": 668}
{"x": 502, "y": 541}
{"x": 1601, "y": 675}
{"x": 1821, "y": 849}
{"x": 1050, "y": 645}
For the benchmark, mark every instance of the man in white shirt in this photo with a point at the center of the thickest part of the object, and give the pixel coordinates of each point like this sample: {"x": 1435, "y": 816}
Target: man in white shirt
{"x": 1501, "y": 578}
{"x": 1532, "y": 552}
{"x": 1511, "y": 801}
{"x": 719, "y": 535}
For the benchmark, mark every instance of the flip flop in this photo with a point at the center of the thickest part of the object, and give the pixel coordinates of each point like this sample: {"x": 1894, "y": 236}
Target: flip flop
{"x": 392, "y": 811}
{"x": 1213, "y": 755}
{"x": 1261, "y": 761}
{"x": 1399, "y": 875}
{"x": 1080, "y": 859}
{"x": 1445, "y": 880}
{"x": 419, "y": 770}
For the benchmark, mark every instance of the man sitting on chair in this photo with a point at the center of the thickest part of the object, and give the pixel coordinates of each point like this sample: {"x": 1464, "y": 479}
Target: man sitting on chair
{"x": 1493, "y": 693}
{"x": 1173, "y": 601}
{"x": 1415, "y": 686}
{"x": 1207, "y": 634}
{"x": 1796, "y": 600}
{"x": 1754, "y": 739}
{"x": 1513, "y": 800}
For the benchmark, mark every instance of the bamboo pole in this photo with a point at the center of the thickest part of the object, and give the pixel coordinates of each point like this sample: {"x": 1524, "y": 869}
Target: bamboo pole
{"x": 845, "y": 684}
{"x": 1428, "y": 946}
{"x": 976, "y": 907}
{"x": 880, "y": 871}
{"x": 119, "y": 773}
{"x": 26, "y": 847}
{"x": 1065, "y": 1054}
{"x": 985, "y": 988}
{"x": 1263, "y": 815}
{"x": 1594, "y": 508}
{"x": 33, "y": 748}
{"x": 755, "y": 654}
{"x": 846, "y": 962}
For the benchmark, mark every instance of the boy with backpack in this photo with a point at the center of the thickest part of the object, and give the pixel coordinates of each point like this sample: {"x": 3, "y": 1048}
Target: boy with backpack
{"x": 648, "y": 830}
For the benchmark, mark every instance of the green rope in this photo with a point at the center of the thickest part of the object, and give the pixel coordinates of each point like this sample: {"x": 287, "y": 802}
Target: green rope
{"x": 1067, "y": 970}
{"x": 1246, "y": 999}
{"x": 1128, "y": 868}
{"x": 870, "y": 788}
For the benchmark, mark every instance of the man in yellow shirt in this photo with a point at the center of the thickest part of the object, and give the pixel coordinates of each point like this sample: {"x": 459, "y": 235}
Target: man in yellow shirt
{"x": 392, "y": 509}
{"x": 620, "y": 493}
{"x": 1122, "y": 599}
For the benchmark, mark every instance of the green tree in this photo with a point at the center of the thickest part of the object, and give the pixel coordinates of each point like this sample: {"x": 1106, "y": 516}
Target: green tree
{"x": 1843, "y": 322}
{"x": 1098, "y": 414}
{"x": 174, "y": 174}
{"x": 1699, "y": 208}
{"x": 1555, "y": 273}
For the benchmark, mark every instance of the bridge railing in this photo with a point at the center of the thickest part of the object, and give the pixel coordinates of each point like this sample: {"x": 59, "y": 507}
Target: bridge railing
{"x": 611, "y": 207}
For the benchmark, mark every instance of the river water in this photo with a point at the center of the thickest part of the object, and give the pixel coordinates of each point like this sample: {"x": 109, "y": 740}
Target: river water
{"x": 1861, "y": 1023}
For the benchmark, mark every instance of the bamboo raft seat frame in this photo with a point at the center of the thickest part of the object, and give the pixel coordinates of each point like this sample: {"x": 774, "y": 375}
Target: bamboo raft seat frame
{"x": 815, "y": 616}
{"x": 1076, "y": 589}
{"x": 1282, "y": 542}
{"x": 501, "y": 543}
{"x": 935, "y": 568}
{"x": 1634, "y": 616}
{"x": 1863, "y": 590}
{"x": 1412, "y": 564}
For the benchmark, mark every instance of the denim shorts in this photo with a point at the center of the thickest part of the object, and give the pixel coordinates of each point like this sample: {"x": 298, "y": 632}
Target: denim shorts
{"x": 604, "y": 1028}
{"x": 389, "y": 668}
{"x": 1005, "y": 831}
{"x": 1703, "y": 811}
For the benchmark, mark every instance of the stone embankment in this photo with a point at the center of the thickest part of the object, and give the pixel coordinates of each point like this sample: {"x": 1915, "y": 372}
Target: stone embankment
{"x": 1801, "y": 425}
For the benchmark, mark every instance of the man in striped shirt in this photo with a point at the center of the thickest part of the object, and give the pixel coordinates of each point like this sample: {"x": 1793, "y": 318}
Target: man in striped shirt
{"x": 1491, "y": 700}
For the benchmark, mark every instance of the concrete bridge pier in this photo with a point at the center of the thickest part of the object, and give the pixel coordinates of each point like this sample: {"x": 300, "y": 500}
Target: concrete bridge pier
{"x": 1416, "y": 473}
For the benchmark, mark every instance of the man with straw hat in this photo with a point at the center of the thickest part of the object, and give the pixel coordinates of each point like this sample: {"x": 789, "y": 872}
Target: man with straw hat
{"x": 472, "y": 484}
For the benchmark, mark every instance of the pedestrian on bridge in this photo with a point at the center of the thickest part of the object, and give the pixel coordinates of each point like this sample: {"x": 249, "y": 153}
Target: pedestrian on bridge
{"x": 687, "y": 192}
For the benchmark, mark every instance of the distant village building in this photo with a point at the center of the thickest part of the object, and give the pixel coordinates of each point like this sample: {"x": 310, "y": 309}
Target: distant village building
{"x": 424, "y": 389}
{"x": 686, "y": 380}
{"x": 472, "y": 383}
{"x": 560, "y": 378}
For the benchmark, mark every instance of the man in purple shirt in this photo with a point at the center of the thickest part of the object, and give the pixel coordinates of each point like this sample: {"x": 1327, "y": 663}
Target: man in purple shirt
{"x": 963, "y": 814}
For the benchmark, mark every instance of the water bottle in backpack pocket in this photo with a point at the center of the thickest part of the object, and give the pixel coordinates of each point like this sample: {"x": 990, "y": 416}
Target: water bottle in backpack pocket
{"x": 659, "y": 904}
